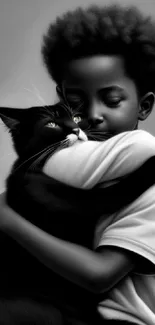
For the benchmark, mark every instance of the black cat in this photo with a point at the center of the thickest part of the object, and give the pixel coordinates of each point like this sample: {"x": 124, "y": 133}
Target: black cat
{"x": 58, "y": 209}
{"x": 65, "y": 212}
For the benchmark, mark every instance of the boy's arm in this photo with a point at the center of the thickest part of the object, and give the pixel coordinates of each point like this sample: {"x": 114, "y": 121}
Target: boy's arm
{"x": 95, "y": 271}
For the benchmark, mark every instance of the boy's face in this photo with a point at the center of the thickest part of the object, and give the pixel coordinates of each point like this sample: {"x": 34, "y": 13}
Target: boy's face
{"x": 108, "y": 97}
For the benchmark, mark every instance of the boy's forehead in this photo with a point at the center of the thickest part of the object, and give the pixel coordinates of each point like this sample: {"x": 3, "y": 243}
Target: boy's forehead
{"x": 103, "y": 68}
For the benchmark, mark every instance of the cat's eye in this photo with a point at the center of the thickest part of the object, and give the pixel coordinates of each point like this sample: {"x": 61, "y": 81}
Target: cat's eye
{"x": 77, "y": 119}
{"x": 51, "y": 125}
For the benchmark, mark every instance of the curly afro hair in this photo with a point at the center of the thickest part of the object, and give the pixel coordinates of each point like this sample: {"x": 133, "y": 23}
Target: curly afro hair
{"x": 112, "y": 30}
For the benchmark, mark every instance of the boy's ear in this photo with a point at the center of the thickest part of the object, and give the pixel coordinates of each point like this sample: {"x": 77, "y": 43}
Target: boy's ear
{"x": 61, "y": 94}
{"x": 12, "y": 117}
{"x": 146, "y": 105}
{"x": 59, "y": 91}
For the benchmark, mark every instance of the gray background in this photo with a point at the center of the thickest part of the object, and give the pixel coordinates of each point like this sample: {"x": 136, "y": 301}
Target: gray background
{"x": 23, "y": 79}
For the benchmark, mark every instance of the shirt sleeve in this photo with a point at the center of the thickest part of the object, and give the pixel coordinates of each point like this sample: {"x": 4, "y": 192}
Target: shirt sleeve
{"x": 132, "y": 228}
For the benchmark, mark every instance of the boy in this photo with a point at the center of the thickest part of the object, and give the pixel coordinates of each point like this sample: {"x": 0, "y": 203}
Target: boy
{"x": 102, "y": 59}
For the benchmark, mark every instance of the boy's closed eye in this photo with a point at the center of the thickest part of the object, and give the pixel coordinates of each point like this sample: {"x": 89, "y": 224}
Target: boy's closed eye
{"x": 75, "y": 99}
{"x": 112, "y": 101}
{"x": 111, "y": 97}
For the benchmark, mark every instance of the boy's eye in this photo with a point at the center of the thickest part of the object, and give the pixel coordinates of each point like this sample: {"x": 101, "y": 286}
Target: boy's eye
{"x": 75, "y": 103}
{"x": 74, "y": 100}
{"x": 77, "y": 119}
{"x": 51, "y": 125}
{"x": 113, "y": 101}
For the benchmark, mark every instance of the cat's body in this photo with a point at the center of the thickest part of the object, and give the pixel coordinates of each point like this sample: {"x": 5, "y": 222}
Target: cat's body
{"x": 65, "y": 212}
{"x": 55, "y": 208}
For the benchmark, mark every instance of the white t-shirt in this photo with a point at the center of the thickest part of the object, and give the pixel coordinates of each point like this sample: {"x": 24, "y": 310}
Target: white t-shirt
{"x": 133, "y": 228}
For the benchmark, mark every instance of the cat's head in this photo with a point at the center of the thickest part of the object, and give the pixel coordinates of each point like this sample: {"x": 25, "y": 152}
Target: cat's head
{"x": 42, "y": 130}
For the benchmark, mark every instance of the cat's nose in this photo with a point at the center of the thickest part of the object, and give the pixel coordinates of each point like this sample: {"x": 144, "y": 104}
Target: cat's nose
{"x": 76, "y": 131}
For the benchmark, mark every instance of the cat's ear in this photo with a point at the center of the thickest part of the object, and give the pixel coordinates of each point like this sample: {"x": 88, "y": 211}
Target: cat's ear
{"x": 12, "y": 117}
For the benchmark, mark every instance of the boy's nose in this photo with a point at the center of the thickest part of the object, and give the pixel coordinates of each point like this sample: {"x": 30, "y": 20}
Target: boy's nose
{"x": 96, "y": 119}
{"x": 96, "y": 113}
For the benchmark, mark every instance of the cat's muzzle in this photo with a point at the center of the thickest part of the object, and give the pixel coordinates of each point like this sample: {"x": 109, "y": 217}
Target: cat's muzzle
{"x": 72, "y": 138}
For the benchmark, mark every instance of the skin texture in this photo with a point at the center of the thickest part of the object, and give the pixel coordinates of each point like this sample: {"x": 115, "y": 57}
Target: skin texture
{"x": 110, "y": 100}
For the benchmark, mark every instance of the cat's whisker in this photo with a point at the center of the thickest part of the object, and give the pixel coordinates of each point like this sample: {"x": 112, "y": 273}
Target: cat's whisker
{"x": 63, "y": 144}
{"x": 37, "y": 94}
{"x": 71, "y": 110}
{"x": 48, "y": 153}
{"x": 47, "y": 150}
{"x": 101, "y": 132}
{"x": 37, "y": 161}
{"x": 88, "y": 128}
{"x": 99, "y": 135}
{"x": 92, "y": 137}
{"x": 29, "y": 90}
{"x": 96, "y": 137}
{"x": 78, "y": 109}
{"x": 36, "y": 101}
{"x": 67, "y": 108}
{"x": 33, "y": 157}
{"x": 51, "y": 114}
{"x": 53, "y": 148}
